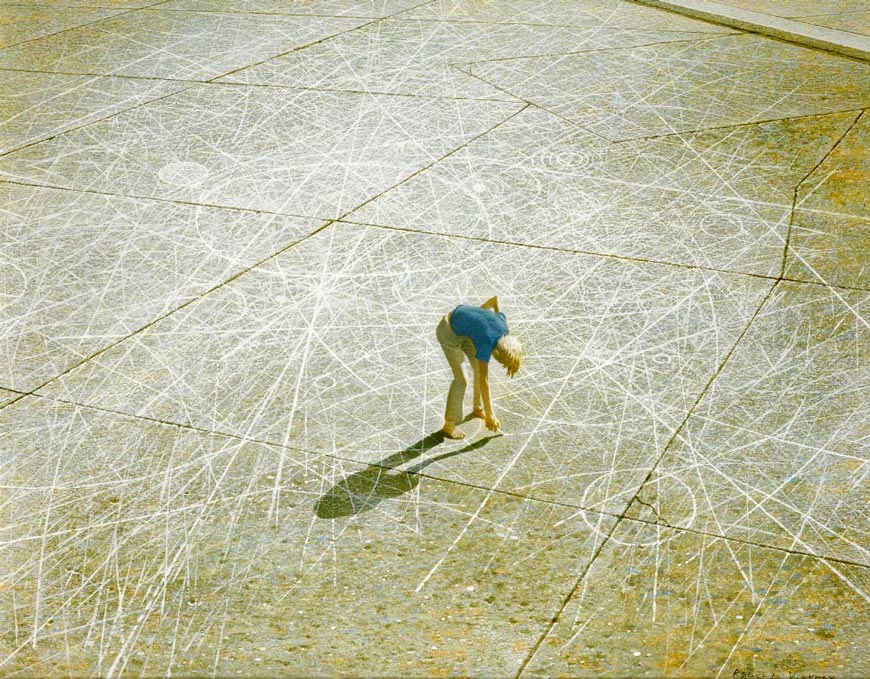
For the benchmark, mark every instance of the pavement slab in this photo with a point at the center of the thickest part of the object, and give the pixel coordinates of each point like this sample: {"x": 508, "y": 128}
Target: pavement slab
{"x": 832, "y": 248}
{"x": 777, "y": 451}
{"x": 298, "y": 152}
{"x": 61, "y": 4}
{"x": 81, "y": 271}
{"x": 328, "y": 348}
{"x": 22, "y": 21}
{"x": 798, "y": 8}
{"x": 720, "y": 199}
{"x": 139, "y": 548}
{"x": 804, "y": 31}
{"x": 660, "y": 602}
{"x": 605, "y": 14}
{"x": 177, "y": 45}
{"x": 854, "y": 22}
{"x": 830, "y": 236}
{"x": 41, "y": 105}
{"x": 674, "y": 88}
{"x": 374, "y": 9}
{"x": 404, "y": 56}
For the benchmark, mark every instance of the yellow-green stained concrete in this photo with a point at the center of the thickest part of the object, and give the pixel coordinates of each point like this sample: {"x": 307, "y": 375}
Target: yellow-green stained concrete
{"x": 21, "y": 22}
{"x": 228, "y": 230}
{"x": 832, "y": 220}
{"x": 660, "y": 602}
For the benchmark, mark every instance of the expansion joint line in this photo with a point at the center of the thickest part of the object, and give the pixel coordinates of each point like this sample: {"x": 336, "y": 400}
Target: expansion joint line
{"x": 530, "y": 103}
{"x": 636, "y": 497}
{"x": 133, "y": 107}
{"x": 373, "y": 20}
{"x": 565, "y": 601}
{"x": 121, "y": 13}
{"x": 698, "y": 400}
{"x": 246, "y": 270}
{"x": 147, "y": 325}
{"x": 800, "y": 184}
{"x": 299, "y": 48}
{"x": 473, "y": 139}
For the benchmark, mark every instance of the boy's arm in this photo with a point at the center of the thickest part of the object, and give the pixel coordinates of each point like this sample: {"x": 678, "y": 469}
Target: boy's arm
{"x": 491, "y": 303}
{"x": 478, "y": 403}
{"x": 481, "y": 374}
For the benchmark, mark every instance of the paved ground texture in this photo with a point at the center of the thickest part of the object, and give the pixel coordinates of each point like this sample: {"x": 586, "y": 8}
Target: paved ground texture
{"x": 229, "y": 229}
{"x": 839, "y": 26}
{"x": 846, "y": 15}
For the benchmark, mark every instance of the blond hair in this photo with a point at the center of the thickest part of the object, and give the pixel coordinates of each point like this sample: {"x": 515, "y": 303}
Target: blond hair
{"x": 509, "y": 352}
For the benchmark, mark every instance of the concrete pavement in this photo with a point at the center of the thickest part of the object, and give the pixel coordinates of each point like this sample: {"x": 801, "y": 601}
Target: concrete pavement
{"x": 229, "y": 229}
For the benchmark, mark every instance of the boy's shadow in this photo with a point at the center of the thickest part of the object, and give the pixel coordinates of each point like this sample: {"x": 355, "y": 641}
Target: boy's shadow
{"x": 364, "y": 490}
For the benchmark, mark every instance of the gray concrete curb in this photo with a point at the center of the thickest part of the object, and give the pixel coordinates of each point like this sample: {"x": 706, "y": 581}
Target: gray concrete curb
{"x": 820, "y": 37}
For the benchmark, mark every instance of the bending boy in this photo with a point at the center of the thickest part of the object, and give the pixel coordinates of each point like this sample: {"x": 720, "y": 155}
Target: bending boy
{"x": 475, "y": 333}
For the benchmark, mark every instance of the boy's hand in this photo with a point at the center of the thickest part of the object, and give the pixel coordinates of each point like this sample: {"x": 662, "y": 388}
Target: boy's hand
{"x": 492, "y": 423}
{"x": 491, "y": 303}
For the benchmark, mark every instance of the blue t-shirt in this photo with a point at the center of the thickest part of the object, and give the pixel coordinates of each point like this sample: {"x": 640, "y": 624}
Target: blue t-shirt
{"x": 485, "y": 327}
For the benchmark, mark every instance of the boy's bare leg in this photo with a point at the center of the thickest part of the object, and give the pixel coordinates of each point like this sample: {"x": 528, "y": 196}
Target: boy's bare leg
{"x": 454, "y": 400}
{"x": 453, "y": 411}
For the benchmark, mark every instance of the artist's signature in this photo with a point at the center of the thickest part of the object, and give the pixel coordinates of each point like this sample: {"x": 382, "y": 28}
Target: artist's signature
{"x": 752, "y": 674}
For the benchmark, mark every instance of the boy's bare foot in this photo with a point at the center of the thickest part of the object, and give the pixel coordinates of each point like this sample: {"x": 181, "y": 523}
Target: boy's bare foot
{"x": 451, "y": 431}
{"x": 478, "y": 412}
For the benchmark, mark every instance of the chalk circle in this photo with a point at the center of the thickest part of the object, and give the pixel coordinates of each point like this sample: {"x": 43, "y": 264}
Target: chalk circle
{"x": 484, "y": 190}
{"x": 183, "y": 174}
{"x": 324, "y": 382}
{"x": 13, "y": 282}
{"x": 662, "y": 358}
{"x": 567, "y": 160}
{"x": 667, "y": 485}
